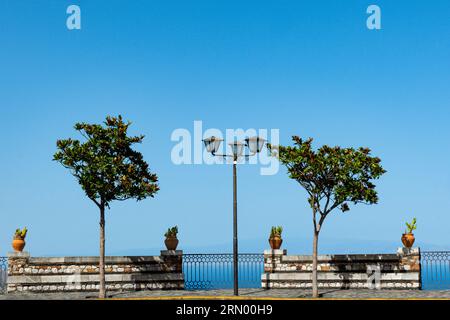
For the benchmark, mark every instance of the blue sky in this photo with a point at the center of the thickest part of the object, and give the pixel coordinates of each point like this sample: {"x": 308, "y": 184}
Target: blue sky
{"x": 309, "y": 68}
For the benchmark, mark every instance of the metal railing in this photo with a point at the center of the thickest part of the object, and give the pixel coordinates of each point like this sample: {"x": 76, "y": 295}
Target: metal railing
{"x": 435, "y": 270}
{"x": 3, "y": 273}
{"x": 215, "y": 271}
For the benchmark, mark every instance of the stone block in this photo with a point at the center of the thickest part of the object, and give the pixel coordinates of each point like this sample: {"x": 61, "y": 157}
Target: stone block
{"x": 406, "y": 252}
{"x": 275, "y": 253}
{"x": 171, "y": 252}
{"x": 18, "y": 255}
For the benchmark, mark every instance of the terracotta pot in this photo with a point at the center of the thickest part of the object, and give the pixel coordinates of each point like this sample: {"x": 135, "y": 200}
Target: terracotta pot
{"x": 408, "y": 240}
{"x": 275, "y": 243}
{"x": 171, "y": 243}
{"x": 18, "y": 245}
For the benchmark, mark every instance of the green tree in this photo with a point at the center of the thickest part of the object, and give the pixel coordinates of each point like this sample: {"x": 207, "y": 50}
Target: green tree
{"x": 333, "y": 177}
{"x": 108, "y": 169}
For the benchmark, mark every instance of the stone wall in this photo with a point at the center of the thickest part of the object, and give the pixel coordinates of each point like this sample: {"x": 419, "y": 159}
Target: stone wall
{"x": 380, "y": 271}
{"x": 76, "y": 274}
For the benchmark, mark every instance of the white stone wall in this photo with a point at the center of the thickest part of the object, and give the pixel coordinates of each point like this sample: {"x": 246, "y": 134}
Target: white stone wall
{"x": 82, "y": 273}
{"x": 378, "y": 271}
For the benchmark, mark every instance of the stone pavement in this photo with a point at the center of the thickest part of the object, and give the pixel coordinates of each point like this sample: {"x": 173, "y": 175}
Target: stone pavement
{"x": 244, "y": 293}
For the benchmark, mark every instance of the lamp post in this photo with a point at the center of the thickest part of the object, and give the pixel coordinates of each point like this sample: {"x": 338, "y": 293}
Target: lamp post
{"x": 254, "y": 144}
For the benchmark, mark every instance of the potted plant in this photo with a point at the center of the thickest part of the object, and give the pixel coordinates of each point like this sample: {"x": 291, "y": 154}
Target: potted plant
{"x": 171, "y": 238}
{"x": 19, "y": 239}
{"x": 275, "y": 240}
{"x": 408, "y": 237}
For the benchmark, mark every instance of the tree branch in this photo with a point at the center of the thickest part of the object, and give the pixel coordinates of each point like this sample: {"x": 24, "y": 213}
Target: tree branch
{"x": 322, "y": 219}
{"x": 96, "y": 202}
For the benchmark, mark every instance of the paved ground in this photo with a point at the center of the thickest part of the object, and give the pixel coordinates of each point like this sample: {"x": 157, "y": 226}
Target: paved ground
{"x": 245, "y": 293}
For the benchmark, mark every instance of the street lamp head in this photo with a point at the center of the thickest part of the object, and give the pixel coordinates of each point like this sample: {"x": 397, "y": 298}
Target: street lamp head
{"x": 255, "y": 144}
{"x": 212, "y": 144}
{"x": 237, "y": 148}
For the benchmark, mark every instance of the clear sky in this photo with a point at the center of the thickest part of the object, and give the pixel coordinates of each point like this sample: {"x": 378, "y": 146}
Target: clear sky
{"x": 309, "y": 68}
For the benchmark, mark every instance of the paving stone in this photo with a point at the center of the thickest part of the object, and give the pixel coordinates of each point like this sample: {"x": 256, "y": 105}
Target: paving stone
{"x": 250, "y": 293}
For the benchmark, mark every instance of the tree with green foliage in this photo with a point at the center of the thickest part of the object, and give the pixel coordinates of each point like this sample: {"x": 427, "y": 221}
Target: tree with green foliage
{"x": 333, "y": 177}
{"x": 108, "y": 169}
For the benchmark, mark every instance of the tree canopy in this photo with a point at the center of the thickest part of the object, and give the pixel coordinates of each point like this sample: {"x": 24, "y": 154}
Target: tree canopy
{"x": 105, "y": 165}
{"x": 332, "y": 176}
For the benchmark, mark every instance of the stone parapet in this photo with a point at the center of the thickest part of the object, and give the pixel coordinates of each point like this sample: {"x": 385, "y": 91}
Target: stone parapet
{"x": 374, "y": 271}
{"x": 75, "y": 274}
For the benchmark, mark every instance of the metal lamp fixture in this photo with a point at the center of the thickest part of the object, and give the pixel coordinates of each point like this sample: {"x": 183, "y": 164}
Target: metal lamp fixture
{"x": 255, "y": 145}
{"x": 212, "y": 144}
{"x": 237, "y": 148}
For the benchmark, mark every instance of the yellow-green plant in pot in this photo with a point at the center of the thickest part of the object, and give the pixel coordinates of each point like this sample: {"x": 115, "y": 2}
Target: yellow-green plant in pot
{"x": 408, "y": 237}
{"x": 275, "y": 239}
{"x": 19, "y": 239}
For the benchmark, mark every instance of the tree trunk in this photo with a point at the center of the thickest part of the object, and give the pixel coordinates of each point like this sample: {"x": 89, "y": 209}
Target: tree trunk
{"x": 102, "y": 292}
{"x": 315, "y": 288}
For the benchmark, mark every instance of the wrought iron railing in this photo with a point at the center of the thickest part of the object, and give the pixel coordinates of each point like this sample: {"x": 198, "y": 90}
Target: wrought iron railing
{"x": 215, "y": 271}
{"x": 3, "y": 273}
{"x": 435, "y": 270}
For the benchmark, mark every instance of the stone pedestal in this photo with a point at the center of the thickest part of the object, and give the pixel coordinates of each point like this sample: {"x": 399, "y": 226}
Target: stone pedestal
{"x": 14, "y": 255}
{"x": 173, "y": 259}
{"x": 272, "y": 258}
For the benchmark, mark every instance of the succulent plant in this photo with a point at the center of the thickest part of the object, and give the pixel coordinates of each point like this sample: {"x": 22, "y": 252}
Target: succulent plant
{"x": 276, "y": 231}
{"x": 21, "y": 234}
{"x": 171, "y": 232}
{"x": 411, "y": 226}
